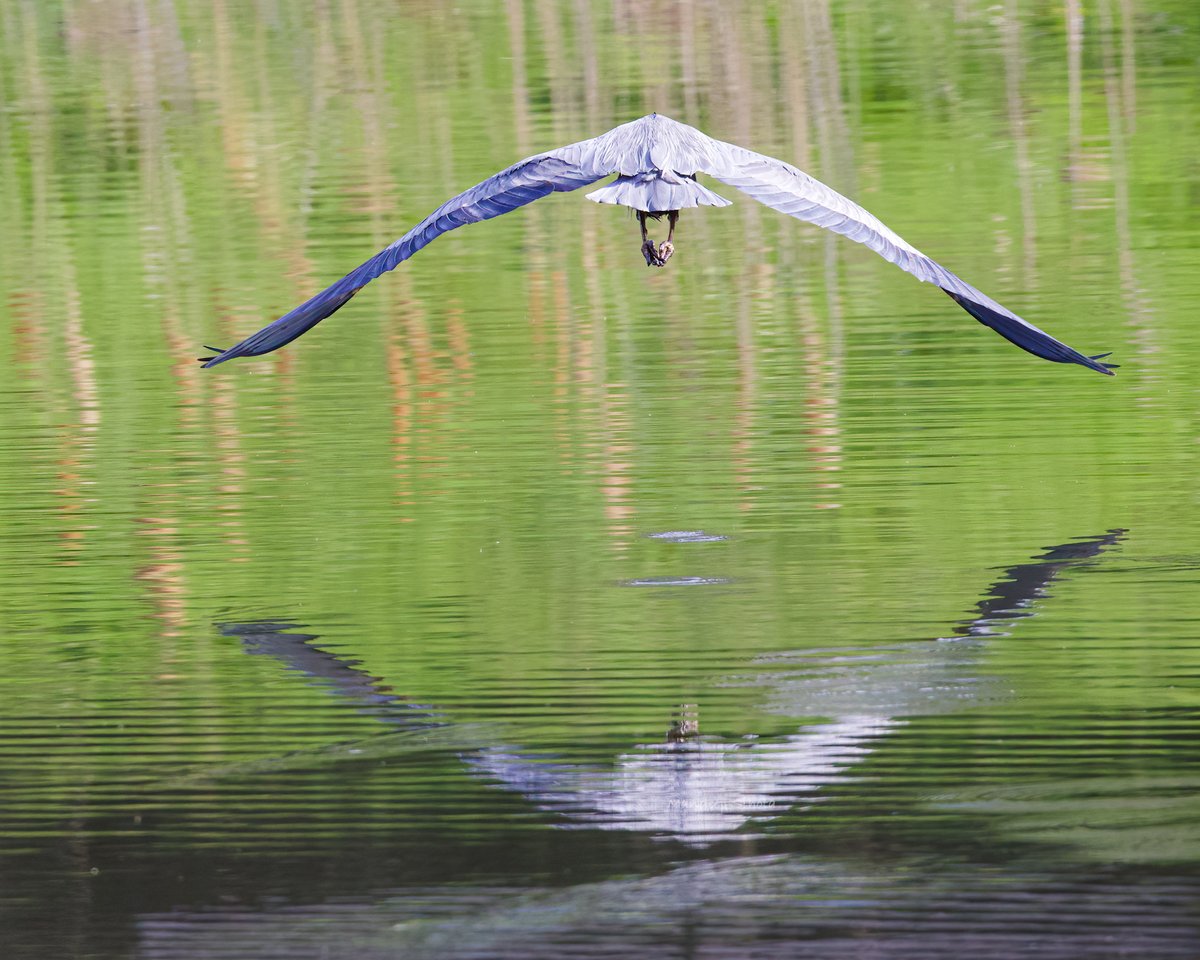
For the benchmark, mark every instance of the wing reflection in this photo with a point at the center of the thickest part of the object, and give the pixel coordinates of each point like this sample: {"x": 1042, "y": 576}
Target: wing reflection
{"x": 699, "y": 788}
{"x": 696, "y": 788}
{"x": 338, "y": 675}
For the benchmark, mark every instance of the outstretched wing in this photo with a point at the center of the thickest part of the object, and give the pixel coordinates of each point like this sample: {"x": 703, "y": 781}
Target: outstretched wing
{"x": 557, "y": 171}
{"x": 782, "y": 187}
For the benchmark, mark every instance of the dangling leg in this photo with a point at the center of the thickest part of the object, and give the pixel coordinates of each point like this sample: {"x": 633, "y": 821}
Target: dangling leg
{"x": 666, "y": 248}
{"x": 649, "y": 251}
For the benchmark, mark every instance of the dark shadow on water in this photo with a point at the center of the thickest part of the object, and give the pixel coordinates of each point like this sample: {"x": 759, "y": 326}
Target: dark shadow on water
{"x": 762, "y": 907}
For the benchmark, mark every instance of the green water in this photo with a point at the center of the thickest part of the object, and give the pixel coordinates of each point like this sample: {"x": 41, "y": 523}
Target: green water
{"x": 370, "y": 647}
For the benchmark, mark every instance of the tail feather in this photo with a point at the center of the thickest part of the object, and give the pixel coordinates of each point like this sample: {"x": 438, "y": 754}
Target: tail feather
{"x": 654, "y": 192}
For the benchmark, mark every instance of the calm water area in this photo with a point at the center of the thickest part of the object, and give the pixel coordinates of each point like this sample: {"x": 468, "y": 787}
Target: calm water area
{"x": 541, "y": 605}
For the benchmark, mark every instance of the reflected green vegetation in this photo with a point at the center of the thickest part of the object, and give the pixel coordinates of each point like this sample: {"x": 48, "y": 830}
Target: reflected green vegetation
{"x": 453, "y": 480}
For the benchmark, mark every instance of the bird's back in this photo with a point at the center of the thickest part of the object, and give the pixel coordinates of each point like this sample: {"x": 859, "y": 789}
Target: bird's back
{"x": 657, "y": 159}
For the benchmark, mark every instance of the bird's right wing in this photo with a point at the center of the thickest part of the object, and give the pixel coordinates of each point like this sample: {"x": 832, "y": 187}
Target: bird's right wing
{"x": 538, "y": 176}
{"x": 784, "y": 188}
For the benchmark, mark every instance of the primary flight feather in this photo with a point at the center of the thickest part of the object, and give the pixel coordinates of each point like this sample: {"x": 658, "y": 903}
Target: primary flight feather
{"x": 656, "y": 161}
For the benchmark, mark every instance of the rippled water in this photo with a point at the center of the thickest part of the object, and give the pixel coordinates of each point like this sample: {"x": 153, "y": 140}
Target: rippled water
{"x": 540, "y": 605}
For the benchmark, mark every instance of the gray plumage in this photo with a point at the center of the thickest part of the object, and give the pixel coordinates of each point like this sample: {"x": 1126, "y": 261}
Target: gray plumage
{"x": 657, "y": 161}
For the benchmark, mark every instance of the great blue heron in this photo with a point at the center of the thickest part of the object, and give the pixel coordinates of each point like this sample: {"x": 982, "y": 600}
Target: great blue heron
{"x": 657, "y": 161}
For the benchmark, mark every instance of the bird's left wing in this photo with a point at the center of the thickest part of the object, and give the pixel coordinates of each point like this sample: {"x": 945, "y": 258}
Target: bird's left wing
{"x": 558, "y": 171}
{"x": 784, "y": 188}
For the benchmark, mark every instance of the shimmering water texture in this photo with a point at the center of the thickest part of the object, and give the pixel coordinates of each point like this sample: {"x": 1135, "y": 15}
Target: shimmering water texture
{"x": 540, "y": 604}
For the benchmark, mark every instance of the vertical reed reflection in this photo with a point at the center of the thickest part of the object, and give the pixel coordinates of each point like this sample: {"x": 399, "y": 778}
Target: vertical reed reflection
{"x": 1013, "y": 47}
{"x": 50, "y": 309}
{"x": 167, "y": 254}
{"x": 334, "y": 127}
{"x": 1073, "y": 17}
{"x": 1121, "y": 110}
{"x": 823, "y": 355}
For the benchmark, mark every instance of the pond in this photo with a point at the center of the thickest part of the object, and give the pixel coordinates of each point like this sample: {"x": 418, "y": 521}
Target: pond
{"x": 540, "y": 604}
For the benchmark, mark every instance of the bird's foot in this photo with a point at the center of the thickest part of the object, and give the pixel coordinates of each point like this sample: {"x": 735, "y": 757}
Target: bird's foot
{"x": 665, "y": 249}
{"x": 650, "y": 252}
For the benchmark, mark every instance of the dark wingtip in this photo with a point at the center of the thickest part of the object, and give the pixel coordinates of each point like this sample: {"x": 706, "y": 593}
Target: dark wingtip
{"x": 1026, "y": 336}
{"x": 207, "y": 361}
{"x": 1105, "y": 368}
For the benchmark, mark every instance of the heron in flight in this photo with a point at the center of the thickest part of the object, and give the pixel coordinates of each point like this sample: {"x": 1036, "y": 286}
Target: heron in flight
{"x": 658, "y": 162}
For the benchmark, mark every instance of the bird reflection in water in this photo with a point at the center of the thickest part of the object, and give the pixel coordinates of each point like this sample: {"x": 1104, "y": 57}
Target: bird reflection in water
{"x": 695, "y": 787}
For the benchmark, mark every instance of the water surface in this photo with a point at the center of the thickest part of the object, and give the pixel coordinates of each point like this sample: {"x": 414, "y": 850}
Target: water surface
{"x": 543, "y": 605}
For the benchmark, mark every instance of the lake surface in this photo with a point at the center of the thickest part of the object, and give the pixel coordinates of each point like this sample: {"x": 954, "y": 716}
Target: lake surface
{"x": 542, "y": 605}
